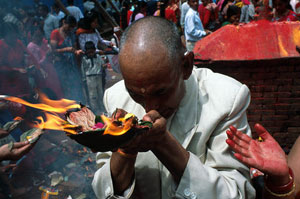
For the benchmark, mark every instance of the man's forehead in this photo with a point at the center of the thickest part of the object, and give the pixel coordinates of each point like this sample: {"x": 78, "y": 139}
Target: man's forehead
{"x": 149, "y": 83}
{"x": 142, "y": 88}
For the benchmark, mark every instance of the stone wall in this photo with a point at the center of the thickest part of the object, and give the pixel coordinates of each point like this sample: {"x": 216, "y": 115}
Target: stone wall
{"x": 275, "y": 94}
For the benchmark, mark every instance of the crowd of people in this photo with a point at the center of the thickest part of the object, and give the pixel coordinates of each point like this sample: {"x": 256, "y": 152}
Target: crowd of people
{"x": 44, "y": 51}
{"x": 60, "y": 52}
{"x": 45, "y": 47}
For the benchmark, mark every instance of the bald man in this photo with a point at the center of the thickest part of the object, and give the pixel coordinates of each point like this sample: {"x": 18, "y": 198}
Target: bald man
{"x": 184, "y": 155}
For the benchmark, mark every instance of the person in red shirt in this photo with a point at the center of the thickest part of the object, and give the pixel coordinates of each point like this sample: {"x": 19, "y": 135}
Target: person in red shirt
{"x": 170, "y": 13}
{"x": 62, "y": 41}
{"x": 208, "y": 14}
{"x": 283, "y": 11}
{"x": 125, "y": 14}
{"x": 165, "y": 10}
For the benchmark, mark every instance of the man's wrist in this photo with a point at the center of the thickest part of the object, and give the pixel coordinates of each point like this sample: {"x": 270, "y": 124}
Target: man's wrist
{"x": 161, "y": 143}
{"x": 127, "y": 154}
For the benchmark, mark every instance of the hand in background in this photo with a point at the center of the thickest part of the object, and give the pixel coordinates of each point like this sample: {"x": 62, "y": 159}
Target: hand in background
{"x": 78, "y": 52}
{"x": 267, "y": 156}
{"x": 16, "y": 152}
{"x": 3, "y": 133}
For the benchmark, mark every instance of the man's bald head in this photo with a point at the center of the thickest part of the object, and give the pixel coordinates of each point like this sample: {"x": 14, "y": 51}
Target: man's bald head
{"x": 154, "y": 33}
{"x": 154, "y": 65}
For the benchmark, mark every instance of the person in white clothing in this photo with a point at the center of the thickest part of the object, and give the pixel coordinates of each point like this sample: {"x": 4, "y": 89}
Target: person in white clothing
{"x": 74, "y": 10}
{"x": 93, "y": 77}
{"x": 57, "y": 12}
{"x": 184, "y": 8}
{"x": 88, "y": 5}
{"x": 50, "y": 21}
{"x": 193, "y": 28}
{"x": 89, "y": 32}
{"x": 184, "y": 154}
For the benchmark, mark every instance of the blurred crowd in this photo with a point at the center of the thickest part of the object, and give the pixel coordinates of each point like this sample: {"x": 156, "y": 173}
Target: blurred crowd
{"x": 59, "y": 49}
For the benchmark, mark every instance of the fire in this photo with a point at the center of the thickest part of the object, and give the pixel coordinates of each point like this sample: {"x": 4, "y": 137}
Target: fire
{"x": 18, "y": 118}
{"x": 56, "y": 106}
{"x": 115, "y": 130}
{"x": 54, "y": 122}
{"x": 51, "y": 109}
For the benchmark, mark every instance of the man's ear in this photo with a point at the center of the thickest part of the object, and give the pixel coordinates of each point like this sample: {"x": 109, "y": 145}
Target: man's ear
{"x": 188, "y": 64}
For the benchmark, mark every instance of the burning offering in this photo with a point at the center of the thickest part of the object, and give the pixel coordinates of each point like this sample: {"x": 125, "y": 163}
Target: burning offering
{"x": 99, "y": 133}
{"x": 102, "y": 133}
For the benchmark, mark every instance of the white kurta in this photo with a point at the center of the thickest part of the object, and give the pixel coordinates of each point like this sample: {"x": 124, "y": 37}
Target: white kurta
{"x": 211, "y": 104}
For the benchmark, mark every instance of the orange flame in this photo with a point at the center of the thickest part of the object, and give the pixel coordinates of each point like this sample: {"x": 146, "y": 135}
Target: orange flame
{"x": 54, "y": 122}
{"x": 56, "y": 106}
{"x": 51, "y": 108}
{"x": 115, "y": 130}
{"x": 18, "y": 118}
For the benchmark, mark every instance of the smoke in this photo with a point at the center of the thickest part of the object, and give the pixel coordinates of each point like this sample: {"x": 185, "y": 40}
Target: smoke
{"x": 28, "y": 65}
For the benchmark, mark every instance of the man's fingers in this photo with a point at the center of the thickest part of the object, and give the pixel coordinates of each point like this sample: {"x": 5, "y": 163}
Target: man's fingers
{"x": 151, "y": 116}
{"x": 262, "y": 132}
{"x": 20, "y": 144}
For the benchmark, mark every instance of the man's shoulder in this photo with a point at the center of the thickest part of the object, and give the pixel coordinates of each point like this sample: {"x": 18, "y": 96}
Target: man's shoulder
{"x": 211, "y": 78}
{"x": 219, "y": 86}
{"x": 221, "y": 91}
{"x": 117, "y": 89}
